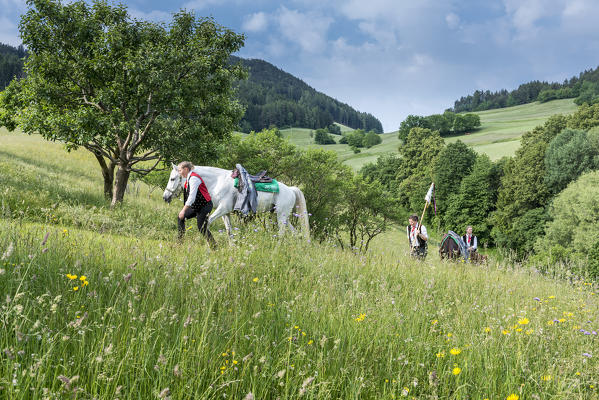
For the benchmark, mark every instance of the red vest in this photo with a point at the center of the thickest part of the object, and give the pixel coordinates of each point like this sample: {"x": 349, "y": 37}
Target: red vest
{"x": 202, "y": 188}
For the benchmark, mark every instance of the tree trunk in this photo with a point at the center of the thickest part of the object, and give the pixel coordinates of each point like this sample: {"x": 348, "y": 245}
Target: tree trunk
{"x": 107, "y": 173}
{"x": 120, "y": 184}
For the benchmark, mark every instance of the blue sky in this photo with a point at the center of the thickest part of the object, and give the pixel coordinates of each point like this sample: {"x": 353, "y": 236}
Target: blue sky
{"x": 394, "y": 57}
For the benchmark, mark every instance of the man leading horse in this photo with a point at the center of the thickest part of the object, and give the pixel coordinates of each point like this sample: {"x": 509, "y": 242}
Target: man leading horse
{"x": 197, "y": 201}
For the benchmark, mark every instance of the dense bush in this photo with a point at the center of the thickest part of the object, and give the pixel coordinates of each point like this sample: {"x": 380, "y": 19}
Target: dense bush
{"x": 523, "y": 186}
{"x": 322, "y": 136}
{"x": 473, "y": 202}
{"x": 574, "y": 218}
{"x": 455, "y": 162}
{"x": 568, "y": 155}
{"x": 419, "y": 155}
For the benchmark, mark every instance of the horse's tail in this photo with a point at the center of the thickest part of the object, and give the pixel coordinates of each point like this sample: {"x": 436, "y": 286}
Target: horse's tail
{"x": 302, "y": 210}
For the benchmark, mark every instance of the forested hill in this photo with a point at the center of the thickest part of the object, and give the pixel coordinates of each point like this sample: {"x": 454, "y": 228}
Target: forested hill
{"x": 584, "y": 88}
{"x": 11, "y": 63}
{"x": 275, "y": 97}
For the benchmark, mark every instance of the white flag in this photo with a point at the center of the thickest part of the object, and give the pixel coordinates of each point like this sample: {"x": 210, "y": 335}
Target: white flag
{"x": 429, "y": 194}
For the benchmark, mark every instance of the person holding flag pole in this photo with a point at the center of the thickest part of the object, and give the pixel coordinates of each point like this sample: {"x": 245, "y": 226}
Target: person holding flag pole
{"x": 417, "y": 234}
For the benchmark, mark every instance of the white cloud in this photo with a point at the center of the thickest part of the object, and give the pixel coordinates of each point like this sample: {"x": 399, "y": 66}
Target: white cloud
{"x": 526, "y": 15}
{"x": 9, "y": 32}
{"x": 200, "y": 4}
{"x": 18, "y": 4}
{"x": 275, "y": 47}
{"x": 384, "y": 35}
{"x": 308, "y": 30}
{"x": 453, "y": 20}
{"x": 256, "y": 22}
{"x": 580, "y": 17}
{"x": 154, "y": 15}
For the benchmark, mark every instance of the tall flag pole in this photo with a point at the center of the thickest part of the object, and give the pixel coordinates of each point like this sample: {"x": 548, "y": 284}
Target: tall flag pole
{"x": 427, "y": 199}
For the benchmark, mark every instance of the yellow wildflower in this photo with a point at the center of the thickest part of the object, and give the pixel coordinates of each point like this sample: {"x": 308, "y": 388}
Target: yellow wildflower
{"x": 310, "y": 341}
{"x": 441, "y": 354}
{"x": 255, "y": 279}
{"x": 456, "y": 371}
{"x": 546, "y": 378}
{"x": 455, "y": 351}
{"x": 76, "y": 288}
{"x": 505, "y": 332}
{"x": 71, "y": 277}
{"x": 360, "y": 318}
{"x": 513, "y": 396}
{"x": 487, "y": 329}
{"x": 82, "y": 277}
{"x": 523, "y": 321}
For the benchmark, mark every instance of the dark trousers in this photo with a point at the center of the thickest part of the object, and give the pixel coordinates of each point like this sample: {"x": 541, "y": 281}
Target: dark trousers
{"x": 202, "y": 218}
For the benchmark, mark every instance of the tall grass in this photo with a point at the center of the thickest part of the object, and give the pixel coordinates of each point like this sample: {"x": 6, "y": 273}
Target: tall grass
{"x": 261, "y": 316}
{"x": 280, "y": 318}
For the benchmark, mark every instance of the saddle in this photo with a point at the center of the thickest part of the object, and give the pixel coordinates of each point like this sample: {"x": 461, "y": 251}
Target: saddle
{"x": 260, "y": 177}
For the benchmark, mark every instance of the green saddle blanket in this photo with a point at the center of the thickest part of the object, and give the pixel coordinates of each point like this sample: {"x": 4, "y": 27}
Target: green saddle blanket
{"x": 271, "y": 187}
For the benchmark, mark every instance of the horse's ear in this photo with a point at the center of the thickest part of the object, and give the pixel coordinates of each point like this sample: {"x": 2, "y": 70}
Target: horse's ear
{"x": 174, "y": 166}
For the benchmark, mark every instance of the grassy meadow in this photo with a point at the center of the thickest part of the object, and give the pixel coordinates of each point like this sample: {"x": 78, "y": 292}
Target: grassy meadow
{"x": 103, "y": 304}
{"x": 498, "y": 136}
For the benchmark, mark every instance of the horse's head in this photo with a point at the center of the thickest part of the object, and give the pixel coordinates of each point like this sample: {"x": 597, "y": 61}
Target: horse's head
{"x": 174, "y": 186}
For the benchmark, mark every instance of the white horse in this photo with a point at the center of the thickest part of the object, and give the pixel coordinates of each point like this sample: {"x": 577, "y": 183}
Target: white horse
{"x": 221, "y": 187}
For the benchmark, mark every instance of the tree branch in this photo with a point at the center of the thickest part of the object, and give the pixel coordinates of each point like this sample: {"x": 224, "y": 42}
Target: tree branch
{"x": 145, "y": 171}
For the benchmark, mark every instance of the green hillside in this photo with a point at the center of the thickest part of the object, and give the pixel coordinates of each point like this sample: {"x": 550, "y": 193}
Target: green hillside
{"x": 498, "y": 136}
{"x": 104, "y": 303}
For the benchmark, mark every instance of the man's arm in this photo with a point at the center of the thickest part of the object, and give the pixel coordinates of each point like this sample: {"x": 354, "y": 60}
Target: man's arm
{"x": 194, "y": 183}
{"x": 423, "y": 234}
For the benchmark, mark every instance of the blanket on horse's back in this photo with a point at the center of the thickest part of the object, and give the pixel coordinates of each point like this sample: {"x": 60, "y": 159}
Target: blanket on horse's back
{"x": 459, "y": 241}
{"x": 247, "y": 185}
{"x": 271, "y": 187}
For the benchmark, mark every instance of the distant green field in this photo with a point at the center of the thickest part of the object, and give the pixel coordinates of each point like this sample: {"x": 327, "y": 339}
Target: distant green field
{"x": 498, "y": 136}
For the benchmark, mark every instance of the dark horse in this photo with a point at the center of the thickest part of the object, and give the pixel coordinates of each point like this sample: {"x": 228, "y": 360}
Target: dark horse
{"x": 449, "y": 248}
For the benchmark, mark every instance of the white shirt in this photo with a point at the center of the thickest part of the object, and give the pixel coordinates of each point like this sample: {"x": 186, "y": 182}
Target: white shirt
{"x": 193, "y": 183}
{"x": 473, "y": 241}
{"x": 412, "y": 235}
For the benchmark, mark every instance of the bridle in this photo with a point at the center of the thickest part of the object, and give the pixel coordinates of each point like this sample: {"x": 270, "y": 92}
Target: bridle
{"x": 175, "y": 192}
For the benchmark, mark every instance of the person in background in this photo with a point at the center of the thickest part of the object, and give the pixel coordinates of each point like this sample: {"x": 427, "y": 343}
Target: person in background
{"x": 470, "y": 240}
{"x": 418, "y": 237}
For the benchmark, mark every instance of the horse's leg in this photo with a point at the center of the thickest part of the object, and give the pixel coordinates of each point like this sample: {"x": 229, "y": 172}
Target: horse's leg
{"x": 282, "y": 220}
{"x": 227, "y": 222}
{"x": 222, "y": 210}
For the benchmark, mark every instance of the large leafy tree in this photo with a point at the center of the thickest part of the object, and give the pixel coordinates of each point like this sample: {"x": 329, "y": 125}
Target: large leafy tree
{"x": 368, "y": 211}
{"x": 131, "y": 92}
{"x": 419, "y": 156}
{"x": 455, "y": 161}
{"x": 569, "y": 155}
{"x": 522, "y": 185}
{"x": 474, "y": 200}
{"x": 575, "y": 219}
